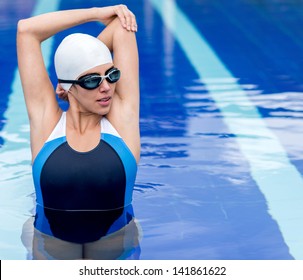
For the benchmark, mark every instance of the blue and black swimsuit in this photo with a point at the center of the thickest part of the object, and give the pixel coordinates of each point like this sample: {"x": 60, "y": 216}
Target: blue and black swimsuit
{"x": 83, "y": 196}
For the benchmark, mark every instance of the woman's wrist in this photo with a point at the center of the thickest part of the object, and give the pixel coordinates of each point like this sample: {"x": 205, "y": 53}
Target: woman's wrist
{"x": 127, "y": 19}
{"x": 104, "y": 15}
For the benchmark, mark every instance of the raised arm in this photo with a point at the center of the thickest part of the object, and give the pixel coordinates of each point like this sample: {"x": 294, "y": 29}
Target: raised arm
{"x": 37, "y": 87}
{"x": 124, "y": 114}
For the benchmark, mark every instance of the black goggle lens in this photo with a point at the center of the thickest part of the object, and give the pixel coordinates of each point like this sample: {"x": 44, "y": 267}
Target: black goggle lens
{"x": 93, "y": 81}
{"x": 90, "y": 82}
{"x": 114, "y": 76}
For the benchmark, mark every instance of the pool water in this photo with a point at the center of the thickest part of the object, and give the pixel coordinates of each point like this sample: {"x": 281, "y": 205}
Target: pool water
{"x": 220, "y": 175}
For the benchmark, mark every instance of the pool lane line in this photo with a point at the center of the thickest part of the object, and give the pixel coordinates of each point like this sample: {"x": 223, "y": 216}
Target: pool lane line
{"x": 15, "y": 157}
{"x": 278, "y": 180}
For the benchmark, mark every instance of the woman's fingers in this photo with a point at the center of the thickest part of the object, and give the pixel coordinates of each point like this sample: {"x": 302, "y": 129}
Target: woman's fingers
{"x": 133, "y": 24}
{"x": 126, "y": 17}
{"x": 130, "y": 19}
{"x": 119, "y": 12}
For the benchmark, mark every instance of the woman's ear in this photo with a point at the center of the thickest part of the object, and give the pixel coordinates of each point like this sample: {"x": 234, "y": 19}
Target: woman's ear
{"x": 61, "y": 92}
{"x": 59, "y": 89}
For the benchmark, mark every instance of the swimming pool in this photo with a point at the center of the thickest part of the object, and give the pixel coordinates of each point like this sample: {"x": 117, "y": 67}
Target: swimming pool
{"x": 221, "y": 122}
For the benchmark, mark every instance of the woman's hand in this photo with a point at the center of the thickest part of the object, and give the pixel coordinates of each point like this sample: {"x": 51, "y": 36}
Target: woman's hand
{"x": 126, "y": 17}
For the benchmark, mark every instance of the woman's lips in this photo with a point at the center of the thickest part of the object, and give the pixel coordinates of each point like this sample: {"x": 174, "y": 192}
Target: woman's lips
{"x": 104, "y": 101}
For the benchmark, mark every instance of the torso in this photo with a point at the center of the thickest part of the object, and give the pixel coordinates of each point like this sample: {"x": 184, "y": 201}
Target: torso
{"x": 96, "y": 180}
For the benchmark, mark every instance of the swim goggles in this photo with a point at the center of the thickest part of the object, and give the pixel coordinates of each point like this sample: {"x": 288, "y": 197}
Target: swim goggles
{"x": 92, "y": 81}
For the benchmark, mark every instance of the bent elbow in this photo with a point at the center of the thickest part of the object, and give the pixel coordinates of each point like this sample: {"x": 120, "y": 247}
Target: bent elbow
{"x": 22, "y": 27}
{"x": 25, "y": 26}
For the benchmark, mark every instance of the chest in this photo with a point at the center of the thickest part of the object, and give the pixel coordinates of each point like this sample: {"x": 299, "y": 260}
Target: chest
{"x": 83, "y": 142}
{"x": 83, "y": 180}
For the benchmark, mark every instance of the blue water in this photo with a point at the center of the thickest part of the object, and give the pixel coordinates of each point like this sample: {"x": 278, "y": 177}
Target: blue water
{"x": 220, "y": 175}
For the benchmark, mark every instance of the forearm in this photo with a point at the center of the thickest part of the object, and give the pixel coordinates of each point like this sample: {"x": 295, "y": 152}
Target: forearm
{"x": 46, "y": 25}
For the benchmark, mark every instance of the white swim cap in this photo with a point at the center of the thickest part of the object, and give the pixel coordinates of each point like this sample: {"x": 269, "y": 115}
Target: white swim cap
{"x": 78, "y": 53}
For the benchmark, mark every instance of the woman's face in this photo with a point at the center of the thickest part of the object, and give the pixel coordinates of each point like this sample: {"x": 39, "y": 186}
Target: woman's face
{"x": 98, "y": 100}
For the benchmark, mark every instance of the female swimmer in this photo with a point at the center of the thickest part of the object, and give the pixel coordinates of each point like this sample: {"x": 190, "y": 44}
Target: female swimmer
{"x": 84, "y": 159}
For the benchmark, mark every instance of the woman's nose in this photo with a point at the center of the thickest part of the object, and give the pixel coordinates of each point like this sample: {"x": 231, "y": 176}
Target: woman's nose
{"x": 104, "y": 86}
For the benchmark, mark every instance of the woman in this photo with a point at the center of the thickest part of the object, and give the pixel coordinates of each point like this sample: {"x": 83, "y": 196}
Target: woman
{"x": 84, "y": 159}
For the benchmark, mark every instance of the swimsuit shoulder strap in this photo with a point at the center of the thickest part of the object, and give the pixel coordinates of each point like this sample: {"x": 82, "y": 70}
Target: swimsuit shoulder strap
{"x": 60, "y": 129}
{"x": 107, "y": 127}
